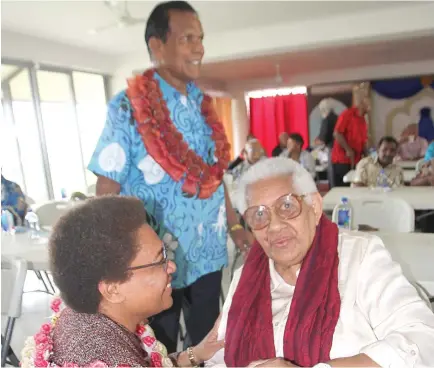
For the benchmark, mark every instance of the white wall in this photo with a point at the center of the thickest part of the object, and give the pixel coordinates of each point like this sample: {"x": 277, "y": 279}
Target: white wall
{"x": 27, "y": 48}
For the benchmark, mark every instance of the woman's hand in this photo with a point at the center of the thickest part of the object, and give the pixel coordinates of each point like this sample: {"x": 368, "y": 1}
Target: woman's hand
{"x": 275, "y": 362}
{"x": 206, "y": 349}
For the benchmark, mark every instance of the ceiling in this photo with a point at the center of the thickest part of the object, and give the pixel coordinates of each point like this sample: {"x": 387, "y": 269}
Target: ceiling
{"x": 323, "y": 59}
{"x": 69, "y": 21}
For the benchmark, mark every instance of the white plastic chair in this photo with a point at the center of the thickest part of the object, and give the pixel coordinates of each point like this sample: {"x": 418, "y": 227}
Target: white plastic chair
{"x": 49, "y": 212}
{"x": 13, "y": 276}
{"x": 385, "y": 214}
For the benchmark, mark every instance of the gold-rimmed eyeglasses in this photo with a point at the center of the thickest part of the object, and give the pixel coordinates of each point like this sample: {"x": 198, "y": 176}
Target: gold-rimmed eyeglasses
{"x": 287, "y": 207}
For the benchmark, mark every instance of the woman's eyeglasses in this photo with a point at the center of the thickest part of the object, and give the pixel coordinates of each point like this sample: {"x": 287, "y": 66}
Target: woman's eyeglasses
{"x": 163, "y": 262}
{"x": 286, "y": 207}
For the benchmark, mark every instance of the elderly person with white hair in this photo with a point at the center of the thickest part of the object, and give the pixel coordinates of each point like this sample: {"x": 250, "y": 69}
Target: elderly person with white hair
{"x": 310, "y": 295}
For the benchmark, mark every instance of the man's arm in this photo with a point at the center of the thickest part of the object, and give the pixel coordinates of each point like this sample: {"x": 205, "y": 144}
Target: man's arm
{"x": 107, "y": 186}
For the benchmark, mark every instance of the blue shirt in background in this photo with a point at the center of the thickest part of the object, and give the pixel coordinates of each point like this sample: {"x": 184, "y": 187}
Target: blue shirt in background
{"x": 194, "y": 229}
{"x": 429, "y": 154}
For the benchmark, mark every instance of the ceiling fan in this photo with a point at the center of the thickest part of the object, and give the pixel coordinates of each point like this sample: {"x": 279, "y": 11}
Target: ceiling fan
{"x": 122, "y": 15}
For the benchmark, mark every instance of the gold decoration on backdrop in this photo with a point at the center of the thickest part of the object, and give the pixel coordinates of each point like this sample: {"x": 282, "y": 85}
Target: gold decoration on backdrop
{"x": 426, "y": 80}
{"x": 406, "y": 108}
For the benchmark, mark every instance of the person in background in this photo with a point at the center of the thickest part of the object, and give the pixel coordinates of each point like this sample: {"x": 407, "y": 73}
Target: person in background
{"x": 369, "y": 168}
{"x": 429, "y": 152}
{"x": 294, "y": 150}
{"x": 14, "y": 200}
{"x": 113, "y": 274}
{"x": 253, "y": 153}
{"x": 176, "y": 170}
{"x": 411, "y": 146}
{"x": 351, "y": 137}
{"x": 329, "y": 119}
{"x": 310, "y": 295}
{"x": 425, "y": 176}
{"x": 232, "y": 165}
{"x": 283, "y": 140}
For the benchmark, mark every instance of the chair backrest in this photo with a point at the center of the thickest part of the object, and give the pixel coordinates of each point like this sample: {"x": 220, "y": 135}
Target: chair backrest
{"x": 385, "y": 214}
{"x": 13, "y": 276}
{"x": 49, "y": 212}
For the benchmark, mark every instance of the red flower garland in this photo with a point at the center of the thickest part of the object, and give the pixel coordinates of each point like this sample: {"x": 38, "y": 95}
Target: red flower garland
{"x": 166, "y": 144}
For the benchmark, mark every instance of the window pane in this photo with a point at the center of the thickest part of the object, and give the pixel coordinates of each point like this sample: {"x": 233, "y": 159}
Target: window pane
{"x": 7, "y": 71}
{"x": 26, "y": 130}
{"x": 91, "y": 113}
{"x": 61, "y": 133}
{"x": 11, "y": 169}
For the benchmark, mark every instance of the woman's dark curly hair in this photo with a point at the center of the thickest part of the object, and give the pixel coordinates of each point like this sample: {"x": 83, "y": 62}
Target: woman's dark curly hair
{"x": 94, "y": 241}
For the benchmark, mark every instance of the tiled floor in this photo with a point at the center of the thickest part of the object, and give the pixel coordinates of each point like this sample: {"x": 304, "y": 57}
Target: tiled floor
{"x": 36, "y": 307}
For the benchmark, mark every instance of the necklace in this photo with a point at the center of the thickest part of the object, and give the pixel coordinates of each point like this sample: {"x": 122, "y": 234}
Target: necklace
{"x": 166, "y": 144}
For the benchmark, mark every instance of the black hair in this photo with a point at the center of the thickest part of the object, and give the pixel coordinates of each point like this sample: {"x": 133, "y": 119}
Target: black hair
{"x": 158, "y": 22}
{"x": 297, "y": 137}
{"x": 388, "y": 139}
{"x": 94, "y": 241}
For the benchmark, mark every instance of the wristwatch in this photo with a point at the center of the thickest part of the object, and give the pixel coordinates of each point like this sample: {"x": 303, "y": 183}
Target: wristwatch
{"x": 322, "y": 365}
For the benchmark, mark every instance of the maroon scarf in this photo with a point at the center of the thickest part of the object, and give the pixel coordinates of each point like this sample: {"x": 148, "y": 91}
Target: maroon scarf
{"x": 313, "y": 314}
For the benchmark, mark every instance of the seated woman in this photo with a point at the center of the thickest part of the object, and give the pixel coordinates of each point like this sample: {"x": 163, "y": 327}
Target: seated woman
{"x": 113, "y": 274}
{"x": 14, "y": 200}
{"x": 309, "y": 295}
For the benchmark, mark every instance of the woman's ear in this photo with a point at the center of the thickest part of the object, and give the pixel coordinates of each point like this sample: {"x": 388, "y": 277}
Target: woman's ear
{"x": 317, "y": 206}
{"x": 111, "y": 292}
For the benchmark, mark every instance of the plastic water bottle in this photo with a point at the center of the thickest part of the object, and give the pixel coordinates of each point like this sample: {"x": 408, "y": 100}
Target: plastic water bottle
{"x": 343, "y": 214}
{"x": 7, "y": 221}
{"x": 32, "y": 222}
{"x": 383, "y": 180}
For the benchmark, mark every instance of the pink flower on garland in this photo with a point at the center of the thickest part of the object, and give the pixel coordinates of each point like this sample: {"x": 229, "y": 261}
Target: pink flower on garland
{"x": 149, "y": 340}
{"x": 98, "y": 364}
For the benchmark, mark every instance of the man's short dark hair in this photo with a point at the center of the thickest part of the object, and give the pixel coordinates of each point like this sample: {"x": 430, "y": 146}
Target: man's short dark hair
{"x": 158, "y": 22}
{"x": 297, "y": 138}
{"x": 388, "y": 139}
{"x": 94, "y": 241}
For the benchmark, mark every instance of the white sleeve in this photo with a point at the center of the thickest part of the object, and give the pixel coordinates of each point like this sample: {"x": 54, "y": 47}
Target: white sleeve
{"x": 400, "y": 319}
{"x": 218, "y": 360}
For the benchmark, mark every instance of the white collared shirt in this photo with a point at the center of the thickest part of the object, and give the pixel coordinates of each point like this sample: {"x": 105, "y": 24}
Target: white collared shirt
{"x": 382, "y": 315}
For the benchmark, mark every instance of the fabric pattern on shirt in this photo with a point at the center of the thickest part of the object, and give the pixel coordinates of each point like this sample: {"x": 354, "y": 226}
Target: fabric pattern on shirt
{"x": 355, "y": 131}
{"x": 194, "y": 228}
{"x": 368, "y": 170}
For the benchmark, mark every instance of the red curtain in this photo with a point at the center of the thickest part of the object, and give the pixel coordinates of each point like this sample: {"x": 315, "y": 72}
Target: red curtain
{"x": 270, "y": 116}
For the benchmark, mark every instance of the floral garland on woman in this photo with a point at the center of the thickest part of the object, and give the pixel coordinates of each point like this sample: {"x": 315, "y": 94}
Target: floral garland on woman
{"x": 166, "y": 144}
{"x": 38, "y": 350}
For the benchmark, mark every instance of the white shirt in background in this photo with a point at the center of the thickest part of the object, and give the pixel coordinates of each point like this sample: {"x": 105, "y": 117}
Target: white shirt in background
{"x": 382, "y": 315}
{"x": 306, "y": 160}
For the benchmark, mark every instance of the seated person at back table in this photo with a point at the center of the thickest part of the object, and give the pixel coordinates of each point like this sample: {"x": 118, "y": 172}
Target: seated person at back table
{"x": 411, "y": 146}
{"x": 294, "y": 150}
{"x": 283, "y": 140}
{"x": 14, "y": 200}
{"x": 368, "y": 169}
{"x": 253, "y": 152}
{"x": 425, "y": 176}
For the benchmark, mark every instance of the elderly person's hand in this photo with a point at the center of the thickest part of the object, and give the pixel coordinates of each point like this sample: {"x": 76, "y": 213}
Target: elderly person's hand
{"x": 209, "y": 345}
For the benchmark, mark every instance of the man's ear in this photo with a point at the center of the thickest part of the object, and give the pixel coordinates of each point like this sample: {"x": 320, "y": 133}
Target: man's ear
{"x": 156, "y": 47}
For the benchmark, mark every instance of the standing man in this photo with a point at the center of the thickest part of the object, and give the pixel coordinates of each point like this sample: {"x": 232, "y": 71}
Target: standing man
{"x": 329, "y": 119}
{"x": 164, "y": 144}
{"x": 351, "y": 137}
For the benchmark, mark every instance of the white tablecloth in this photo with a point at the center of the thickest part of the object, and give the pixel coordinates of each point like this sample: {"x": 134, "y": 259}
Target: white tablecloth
{"x": 34, "y": 251}
{"x": 415, "y": 253}
{"x": 408, "y": 176}
{"x": 420, "y": 198}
